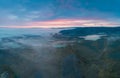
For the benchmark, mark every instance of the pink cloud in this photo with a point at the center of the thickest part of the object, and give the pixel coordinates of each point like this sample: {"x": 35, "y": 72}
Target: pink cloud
{"x": 66, "y": 23}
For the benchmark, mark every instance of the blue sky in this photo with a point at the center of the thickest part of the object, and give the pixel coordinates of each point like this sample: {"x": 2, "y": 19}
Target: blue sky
{"x": 41, "y": 13}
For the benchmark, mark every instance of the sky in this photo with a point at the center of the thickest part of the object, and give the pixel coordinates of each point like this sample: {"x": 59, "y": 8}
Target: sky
{"x": 59, "y": 13}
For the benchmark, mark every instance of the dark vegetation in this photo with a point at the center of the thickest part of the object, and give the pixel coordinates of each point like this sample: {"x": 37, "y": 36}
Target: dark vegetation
{"x": 95, "y": 59}
{"x": 83, "y": 31}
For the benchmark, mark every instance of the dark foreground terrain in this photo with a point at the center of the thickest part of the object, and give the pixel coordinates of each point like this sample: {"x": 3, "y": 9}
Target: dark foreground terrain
{"x": 60, "y": 56}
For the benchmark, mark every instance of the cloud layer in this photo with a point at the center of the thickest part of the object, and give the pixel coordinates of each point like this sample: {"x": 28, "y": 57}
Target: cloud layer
{"x": 59, "y": 13}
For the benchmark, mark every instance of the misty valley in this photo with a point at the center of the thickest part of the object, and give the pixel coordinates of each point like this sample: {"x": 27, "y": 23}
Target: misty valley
{"x": 90, "y": 52}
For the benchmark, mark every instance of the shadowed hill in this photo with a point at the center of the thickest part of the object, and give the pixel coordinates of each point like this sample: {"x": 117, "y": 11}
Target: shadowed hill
{"x": 83, "y": 31}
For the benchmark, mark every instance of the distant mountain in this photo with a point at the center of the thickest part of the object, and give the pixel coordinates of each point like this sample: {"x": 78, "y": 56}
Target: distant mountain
{"x": 83, "y": 31}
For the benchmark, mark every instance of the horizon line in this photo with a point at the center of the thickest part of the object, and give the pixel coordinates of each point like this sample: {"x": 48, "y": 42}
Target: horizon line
{"x": 30, "y": 27}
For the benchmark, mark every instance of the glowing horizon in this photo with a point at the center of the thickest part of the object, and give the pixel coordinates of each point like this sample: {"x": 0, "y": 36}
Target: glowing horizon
{"x": 60, "y": 23}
